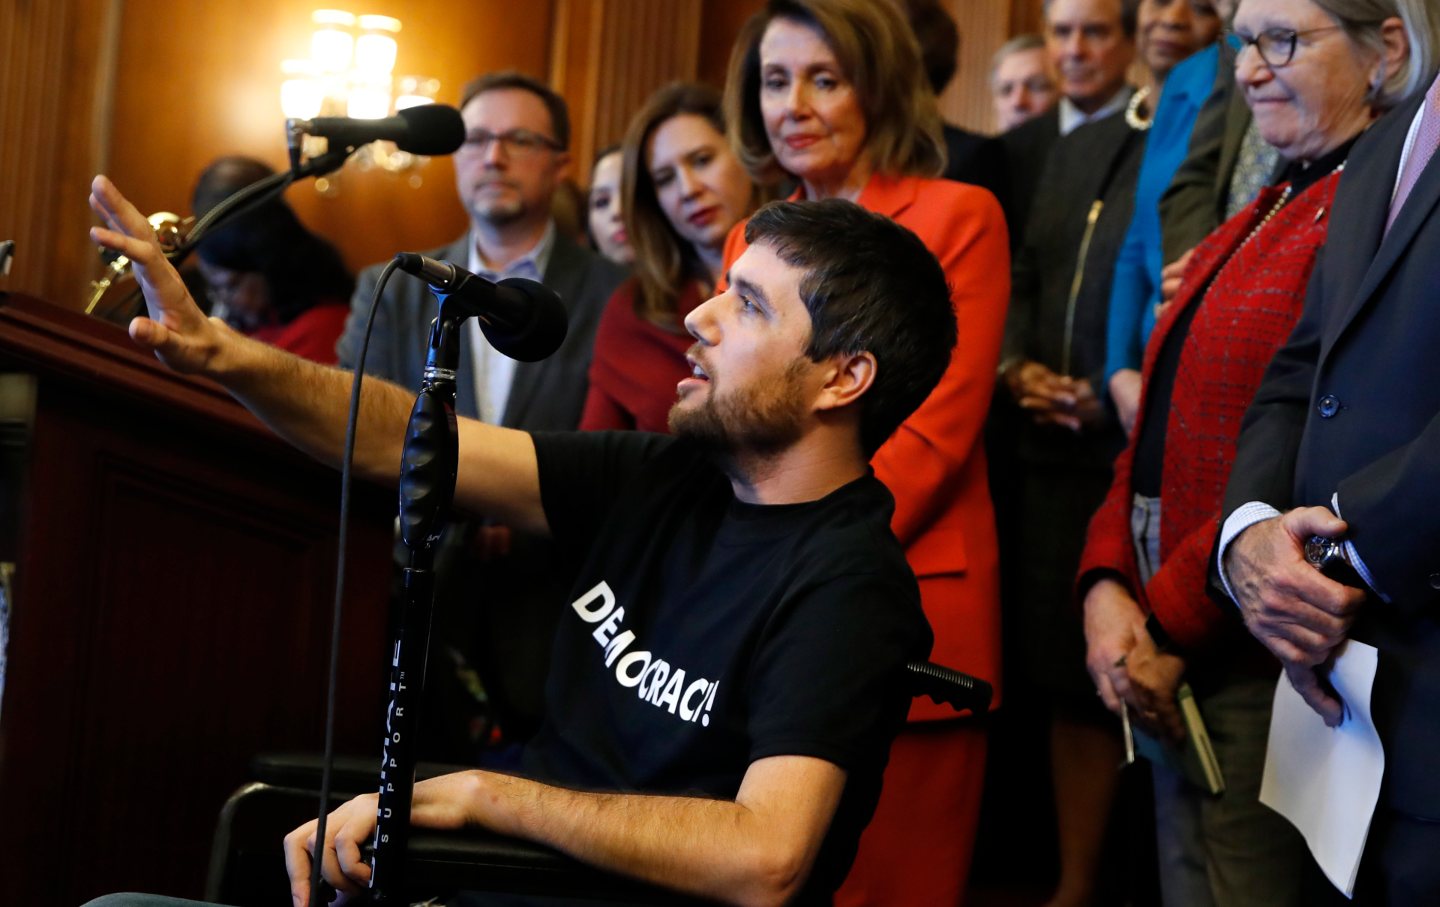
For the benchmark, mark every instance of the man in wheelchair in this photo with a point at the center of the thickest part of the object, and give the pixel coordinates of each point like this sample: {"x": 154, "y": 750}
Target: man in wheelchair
{"x": 729, "y": 674}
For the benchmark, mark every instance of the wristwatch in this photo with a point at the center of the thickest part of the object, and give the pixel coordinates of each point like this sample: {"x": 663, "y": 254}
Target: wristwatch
{"x": 1328, "y": 556}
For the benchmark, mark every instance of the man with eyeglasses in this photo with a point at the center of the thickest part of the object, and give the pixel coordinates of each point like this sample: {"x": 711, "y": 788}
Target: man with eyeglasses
{"x": 516, "y": 134}
{"x": 517, "y": 131}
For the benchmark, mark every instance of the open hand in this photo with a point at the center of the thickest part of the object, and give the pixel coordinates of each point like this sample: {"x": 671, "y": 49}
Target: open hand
{"x": 176, "y": 329}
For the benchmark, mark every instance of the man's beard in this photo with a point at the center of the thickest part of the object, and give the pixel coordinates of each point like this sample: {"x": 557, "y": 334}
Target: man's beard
{"x": 760, "y": 421}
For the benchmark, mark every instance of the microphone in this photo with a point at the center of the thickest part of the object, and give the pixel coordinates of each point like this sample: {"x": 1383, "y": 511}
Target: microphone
{"x": 428, "y": 129}
{"x": 522, "y": 319}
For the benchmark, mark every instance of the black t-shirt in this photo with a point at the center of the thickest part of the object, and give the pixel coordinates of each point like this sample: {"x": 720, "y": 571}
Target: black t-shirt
{"x": 704, "y": 633}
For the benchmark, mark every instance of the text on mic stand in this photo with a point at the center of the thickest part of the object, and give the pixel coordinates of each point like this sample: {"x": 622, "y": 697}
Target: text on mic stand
{"x": 524, "y": 316}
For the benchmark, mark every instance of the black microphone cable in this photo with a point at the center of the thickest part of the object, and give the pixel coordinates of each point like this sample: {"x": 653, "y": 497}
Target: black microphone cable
{"x": 333, "y": 683}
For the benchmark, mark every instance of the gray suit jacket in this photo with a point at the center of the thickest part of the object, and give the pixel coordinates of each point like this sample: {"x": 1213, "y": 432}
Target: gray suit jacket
{"x": 547, "y": 395}
{"x": 499, "y": 614}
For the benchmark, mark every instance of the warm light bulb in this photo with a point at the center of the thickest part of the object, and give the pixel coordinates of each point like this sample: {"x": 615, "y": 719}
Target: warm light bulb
{"x": 369, "y": 101}
{"x": 375, "y": 55}
{"x": 332, "y": 45}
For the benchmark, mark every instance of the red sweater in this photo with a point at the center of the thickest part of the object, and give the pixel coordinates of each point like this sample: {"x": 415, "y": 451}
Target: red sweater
{"x": 1248, "y": 311}
{"x": 311, "y": 334}
{"x": 636, "y": 365}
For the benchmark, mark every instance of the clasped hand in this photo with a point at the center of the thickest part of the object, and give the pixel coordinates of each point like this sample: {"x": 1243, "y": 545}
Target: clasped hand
{"x": 1126, "y": 665}
{"x": 1052, "y": 398}
{"x": 1297, "y": 612}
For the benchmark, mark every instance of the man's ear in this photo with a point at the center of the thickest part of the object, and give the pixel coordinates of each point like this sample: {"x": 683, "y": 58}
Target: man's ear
{"x": 850, "y": 377}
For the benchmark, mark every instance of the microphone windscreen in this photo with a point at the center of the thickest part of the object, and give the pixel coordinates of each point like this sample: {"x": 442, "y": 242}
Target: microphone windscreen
{"x": 433, "y": 129}
{"x": 543, "y": 331}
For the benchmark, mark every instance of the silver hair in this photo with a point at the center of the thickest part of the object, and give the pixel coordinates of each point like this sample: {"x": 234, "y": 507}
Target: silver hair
{"x": 1361, "y": 20}
{"x": 1015, "y": 45}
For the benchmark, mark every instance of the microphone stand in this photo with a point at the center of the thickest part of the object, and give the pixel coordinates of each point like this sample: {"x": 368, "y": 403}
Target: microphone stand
{"x": 427, "y": 486}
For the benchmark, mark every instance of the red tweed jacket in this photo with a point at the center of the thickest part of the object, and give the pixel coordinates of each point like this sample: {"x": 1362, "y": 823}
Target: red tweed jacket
{"x": 1253, "y": 302}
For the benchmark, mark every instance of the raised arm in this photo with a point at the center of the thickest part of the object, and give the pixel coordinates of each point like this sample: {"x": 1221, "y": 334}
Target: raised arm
{"x": 757, "y": 849}
{"x": 306, "y": 403}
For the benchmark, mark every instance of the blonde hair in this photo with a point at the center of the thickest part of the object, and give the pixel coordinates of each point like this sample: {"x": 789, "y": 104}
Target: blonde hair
{"x": 880, "y": 57}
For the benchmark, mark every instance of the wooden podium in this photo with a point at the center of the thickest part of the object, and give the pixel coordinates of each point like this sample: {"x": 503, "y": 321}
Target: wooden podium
{"x": 174, "y": 569}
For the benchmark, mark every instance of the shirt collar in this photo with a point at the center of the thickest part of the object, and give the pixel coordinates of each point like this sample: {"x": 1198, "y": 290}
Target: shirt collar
{"x": 1072, "y": 118}
{"x": 531, "y": 265}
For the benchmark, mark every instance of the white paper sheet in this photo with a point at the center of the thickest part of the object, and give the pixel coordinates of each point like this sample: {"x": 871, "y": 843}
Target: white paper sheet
{"x": 1326, "y": 781}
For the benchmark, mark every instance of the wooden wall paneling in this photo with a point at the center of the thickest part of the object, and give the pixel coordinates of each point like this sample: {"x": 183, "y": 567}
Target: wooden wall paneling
{"x": 53, "y": 62}
{"x": 611, "y": 54}
{"x": 1027, "y": 16}
{"x": 721, "y": 21}
{"x": 984, "y": 26}
{"x": 171, "y": 614}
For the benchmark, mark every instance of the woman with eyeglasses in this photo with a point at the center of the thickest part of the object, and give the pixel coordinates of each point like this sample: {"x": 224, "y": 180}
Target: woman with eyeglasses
{"x": 681, "y": 190}
{"x": 1315, "y": 73}
{"x": 266, "y": 275}
{"x": 832, "y": 95}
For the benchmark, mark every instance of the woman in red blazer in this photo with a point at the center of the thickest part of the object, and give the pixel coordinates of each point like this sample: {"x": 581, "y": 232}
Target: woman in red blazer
{"x": 831, "y": 93}
{"x": 682, "y": 190}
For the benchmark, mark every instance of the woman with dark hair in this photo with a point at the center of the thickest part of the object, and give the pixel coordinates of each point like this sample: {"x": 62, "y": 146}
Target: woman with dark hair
{"x": 832, "y": 94}
{"x": 267, "y": 275}
{"x": 681, "y": 191}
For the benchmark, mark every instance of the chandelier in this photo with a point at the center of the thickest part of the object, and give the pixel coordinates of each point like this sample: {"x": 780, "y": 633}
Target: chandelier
{"x": 350, "y": 73}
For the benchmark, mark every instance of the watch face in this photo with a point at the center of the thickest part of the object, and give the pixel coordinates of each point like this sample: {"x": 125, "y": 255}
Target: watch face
{"x": 1320, "y": 551}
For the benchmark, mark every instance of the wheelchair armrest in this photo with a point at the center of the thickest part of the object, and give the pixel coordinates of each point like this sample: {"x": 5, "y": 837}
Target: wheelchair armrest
{"x": 349, "y": 775}
{"x": 482, "y": 860}
{"x": 944, "y": 685}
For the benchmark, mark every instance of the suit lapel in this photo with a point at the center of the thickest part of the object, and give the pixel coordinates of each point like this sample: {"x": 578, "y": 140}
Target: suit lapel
{"x": 564, "y": 276}
{"x": 1375, "y": 185}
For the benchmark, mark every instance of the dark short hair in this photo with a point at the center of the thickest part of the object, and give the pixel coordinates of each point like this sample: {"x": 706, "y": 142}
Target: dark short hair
{"x": 301, "y": 269}
{"x": 939, "y": 39}
{"x": 509, "y": 78}
{"x": 877, "y": 290}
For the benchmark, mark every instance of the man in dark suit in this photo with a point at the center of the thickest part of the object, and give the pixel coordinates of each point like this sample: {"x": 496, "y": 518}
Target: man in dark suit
{"x": 514, "y": 156}
{"x": 1091, "y": 43}
{"x": 1345, "y": 429}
